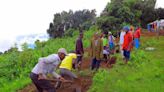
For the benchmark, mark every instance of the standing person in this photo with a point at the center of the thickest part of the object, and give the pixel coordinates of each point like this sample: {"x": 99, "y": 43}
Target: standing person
{"x": 105, "y": 47}
{"x": 111, "y": 42}
{"x": 122, "y": 34}
{"x": 127, "y": 44}
{"x": 79, "y": 49}
{"x": 96, "y": 51}
{"x": 137, "y": 35}
{"x": 66, "y": 67}
{"x": 46, "y": 65}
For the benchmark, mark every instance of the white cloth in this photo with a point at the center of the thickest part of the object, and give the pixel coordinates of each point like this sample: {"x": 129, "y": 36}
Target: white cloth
{"x": 122, "y": 38}
{"x": 111, "y": 39}
{"x": 105, "y": 52}
{"x": 47, "y": 65}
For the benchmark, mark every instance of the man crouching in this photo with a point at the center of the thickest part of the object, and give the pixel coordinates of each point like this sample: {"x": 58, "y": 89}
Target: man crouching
{"x": 46, "y": 65}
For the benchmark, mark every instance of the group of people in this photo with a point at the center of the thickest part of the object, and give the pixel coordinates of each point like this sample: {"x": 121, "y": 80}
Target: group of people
{"x": 129, "y": 38}
{"x": 63, "y": 61}
{"x": 101, "y": 46}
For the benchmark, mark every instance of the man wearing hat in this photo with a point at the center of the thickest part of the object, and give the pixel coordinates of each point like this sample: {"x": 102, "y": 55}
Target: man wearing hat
{"x": 46, "y": 65}
{"x": 127, "y": 44}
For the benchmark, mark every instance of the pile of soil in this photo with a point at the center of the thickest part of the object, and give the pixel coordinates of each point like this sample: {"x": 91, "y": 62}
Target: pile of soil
{"x": 161, "y": 33}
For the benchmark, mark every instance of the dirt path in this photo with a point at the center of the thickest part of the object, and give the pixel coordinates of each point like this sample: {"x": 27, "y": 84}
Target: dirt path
{"x": 86, "y": 81}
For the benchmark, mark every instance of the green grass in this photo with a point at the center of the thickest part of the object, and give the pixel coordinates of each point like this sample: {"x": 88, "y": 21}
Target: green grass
{"x": 144, "y": 73}
{"x": 15, "y": 67}
{"x": 15, "y": 85}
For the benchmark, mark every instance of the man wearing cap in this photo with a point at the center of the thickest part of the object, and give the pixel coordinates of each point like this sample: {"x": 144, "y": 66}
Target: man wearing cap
{"x": 127, "y": 44}
{"x": 46, "y": 65}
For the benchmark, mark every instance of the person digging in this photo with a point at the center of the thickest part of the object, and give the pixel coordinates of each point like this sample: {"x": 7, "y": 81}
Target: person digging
{"x": 65, "y": 70}
{"x": 45, "y": 66}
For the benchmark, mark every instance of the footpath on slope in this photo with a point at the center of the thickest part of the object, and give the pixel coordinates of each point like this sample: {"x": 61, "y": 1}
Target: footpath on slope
{"x": 86, "y": 80}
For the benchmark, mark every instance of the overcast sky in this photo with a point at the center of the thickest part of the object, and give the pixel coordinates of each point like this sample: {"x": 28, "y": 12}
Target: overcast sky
{"x": 21, "y": 17}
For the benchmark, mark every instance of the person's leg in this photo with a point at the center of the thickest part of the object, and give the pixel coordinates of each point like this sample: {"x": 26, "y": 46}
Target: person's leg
{"x": 93, "y": 63}
{"x": 97, "y": 64}
{"x": 125, "y": 56}
{"x": 135, "y": 42}
{"x": 46, "y": 85}
{"x": 128, "y": 55}
{"x": 79, "y": 62}
{"x": 122, "y": 52}
{"x": 34, "y": 79}
{"x": 42, "y": 84}
{"x": 58, "y": 83}
{"x": 70, "y": 74}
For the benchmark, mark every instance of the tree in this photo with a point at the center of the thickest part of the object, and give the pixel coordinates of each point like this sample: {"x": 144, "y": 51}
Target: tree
{"x": 24, "y": 46}
{"x": 133, "y": 12}
{"x": 64, "y": 21}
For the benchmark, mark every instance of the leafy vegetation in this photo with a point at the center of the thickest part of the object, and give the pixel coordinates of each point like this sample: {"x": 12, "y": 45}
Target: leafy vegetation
{"x": 15, "y": 66}
{"x": 66, "y": 22}
{"x": 118, "y": 13}
{"x": 144, "y": 73}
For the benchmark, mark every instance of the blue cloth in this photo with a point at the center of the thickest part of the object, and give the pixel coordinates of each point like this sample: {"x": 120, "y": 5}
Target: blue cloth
{"x": 95, "y": 64}
{"x": 136, "y": 43}
{"x": 126, "y": 28}
{"x": 127, "y": 54}
{"x": 149, "y": 27}
{"x": 111, "y": 45}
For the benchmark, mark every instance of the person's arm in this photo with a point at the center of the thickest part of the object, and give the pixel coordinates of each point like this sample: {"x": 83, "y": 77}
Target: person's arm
{"x": 139, "y": 34}
{"x": 91, "y": 48}
{"x": 55, "y": 75}
{"x": 42, "y": 76}
{"x": 82, "y": 47}
{"x": 131, "y": 42}
{"x": 57, "y": 67}
{"x": 101, "y": 49}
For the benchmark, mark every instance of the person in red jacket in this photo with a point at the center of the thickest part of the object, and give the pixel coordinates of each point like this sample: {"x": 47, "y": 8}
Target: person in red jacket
{"x": 127, "y": 44}
{"x": 137, "y": 35}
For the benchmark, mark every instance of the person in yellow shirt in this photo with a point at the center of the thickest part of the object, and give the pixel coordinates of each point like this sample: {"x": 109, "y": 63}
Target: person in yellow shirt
{"x": 66, "y": 67}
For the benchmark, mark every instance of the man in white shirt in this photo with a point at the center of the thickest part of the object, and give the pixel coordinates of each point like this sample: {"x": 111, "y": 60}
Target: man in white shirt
{"x": 122, "y": 41}
{"x": 47, "y": 65}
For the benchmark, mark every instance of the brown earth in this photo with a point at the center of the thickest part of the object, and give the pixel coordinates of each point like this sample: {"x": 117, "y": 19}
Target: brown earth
{"x": 85, "y": 81}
